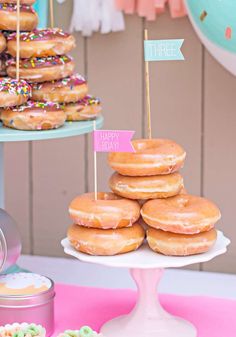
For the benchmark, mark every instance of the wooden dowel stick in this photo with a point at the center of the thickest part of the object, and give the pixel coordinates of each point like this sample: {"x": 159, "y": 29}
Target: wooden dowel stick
{"x": 18, "y": 41}
{"x": 51, "y": 14}
{"x": 147, "y": 82}
{"x": 95, "y": 168}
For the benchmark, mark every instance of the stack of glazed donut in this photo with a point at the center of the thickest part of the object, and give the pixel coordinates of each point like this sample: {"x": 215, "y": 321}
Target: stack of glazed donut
{"x": 175, "y": 223}
{"x": 106, "y": 225}
{"x": 178, "y": 224}
{"x": 57, "y": 93}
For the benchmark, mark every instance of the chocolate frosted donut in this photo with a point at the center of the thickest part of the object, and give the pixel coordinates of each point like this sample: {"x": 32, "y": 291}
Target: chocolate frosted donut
{"x": 69, "y": 89}
{"x": 42, "y": 69}
{"x": 34, "y": 116}
{"x": 42, "y": 43}
{"x": 85, "y": 109}
{"x": 8, "y": 17}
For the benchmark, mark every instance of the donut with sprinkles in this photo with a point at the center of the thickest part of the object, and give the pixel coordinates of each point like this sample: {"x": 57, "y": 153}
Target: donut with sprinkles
{"x": 22, "y": 2}
{"x": 41, "y": 43}
{"x": 3, "y": 43}
{"x": 13, "y": 92}
{"x": 85, "y": 109}
{"x": 37, "y": 70}
{"x": 34, "y": 116}
{"x": 66, "y": 90}
{"x": 3, "y": 64}
{"x": 8, "y": 17}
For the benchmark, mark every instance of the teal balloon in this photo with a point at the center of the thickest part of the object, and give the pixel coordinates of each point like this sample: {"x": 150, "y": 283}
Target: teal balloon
{"x": 219, "y": 16}
{"x": 41, "y": 7}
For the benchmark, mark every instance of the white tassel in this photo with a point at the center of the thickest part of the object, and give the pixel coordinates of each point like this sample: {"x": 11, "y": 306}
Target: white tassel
{"x": 85, "y": 16}
{"x": 93, "y": 15}
{"x": 112, "y": 20}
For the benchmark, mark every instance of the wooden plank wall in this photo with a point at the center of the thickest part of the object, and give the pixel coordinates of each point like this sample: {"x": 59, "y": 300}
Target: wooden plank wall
{"x": 192, "y": 102}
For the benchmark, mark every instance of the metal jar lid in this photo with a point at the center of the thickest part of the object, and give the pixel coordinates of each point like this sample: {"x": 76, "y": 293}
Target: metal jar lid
{"x": 3, "y": 250}
{"x": 10, "y": 243}
{"x": 25, "y": 300}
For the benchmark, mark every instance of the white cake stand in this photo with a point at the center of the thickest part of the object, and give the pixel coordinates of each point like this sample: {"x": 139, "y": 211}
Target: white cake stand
{"x": 148, "y": 318}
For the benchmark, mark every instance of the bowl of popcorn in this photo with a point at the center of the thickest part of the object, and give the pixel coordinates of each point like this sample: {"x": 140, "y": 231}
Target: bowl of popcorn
{"x": 22, "y": 330}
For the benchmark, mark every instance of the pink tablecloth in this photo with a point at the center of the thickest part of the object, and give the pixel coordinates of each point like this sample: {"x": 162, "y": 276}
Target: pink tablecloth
{"x": 78, "y": 306}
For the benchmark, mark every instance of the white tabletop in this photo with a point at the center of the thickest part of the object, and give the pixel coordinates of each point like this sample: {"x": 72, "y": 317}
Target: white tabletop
{"x": 175, "y": 281}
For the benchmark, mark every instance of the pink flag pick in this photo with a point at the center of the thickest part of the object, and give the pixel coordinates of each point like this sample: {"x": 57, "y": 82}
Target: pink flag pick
{"x": 113, "y": 141}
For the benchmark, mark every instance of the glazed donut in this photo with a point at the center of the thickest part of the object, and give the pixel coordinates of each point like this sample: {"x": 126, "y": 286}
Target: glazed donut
{"x": 41, "y": 43}
{"x": 23, "y": 2}
{"x": 183, "y": 191}
{"x": 34, "y": 116}
{"x": 180, "y": 244}
{"x": 3, "y": 43}
{"x": 184, "y": 214}
{"x": 151, "y": 157}
{"x": 107, "y": 242}
{"x": 13, "y": 92}
{"x": 8, "y": 17}
{"x": 42, "y": 69}
{"x": 3, "y": 64}
{"x": 69, "y": 89}
{"x": 108, "y": 212}
{"x": 151, "y": 187}
{"x": 85, "y": 109}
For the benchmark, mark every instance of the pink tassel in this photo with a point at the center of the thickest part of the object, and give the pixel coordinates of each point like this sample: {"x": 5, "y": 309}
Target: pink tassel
{"x": 149, "y": 8}
{"x": 146, "y": 8}
{"x": 141, "y": 8}
{"x": 128, "y": 6}
{"x": 177, "y": 8}
{"x": 120, "y": 5}
{"x": 160, "y": 6}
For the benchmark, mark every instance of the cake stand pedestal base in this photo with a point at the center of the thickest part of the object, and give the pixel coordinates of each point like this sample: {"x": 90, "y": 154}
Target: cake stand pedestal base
{"x": 148, "y": 318}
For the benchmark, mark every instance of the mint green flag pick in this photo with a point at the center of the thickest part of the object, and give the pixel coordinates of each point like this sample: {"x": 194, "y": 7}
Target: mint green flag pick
{"x": 163, "y": 50}
{"x": 41, "y": 7}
